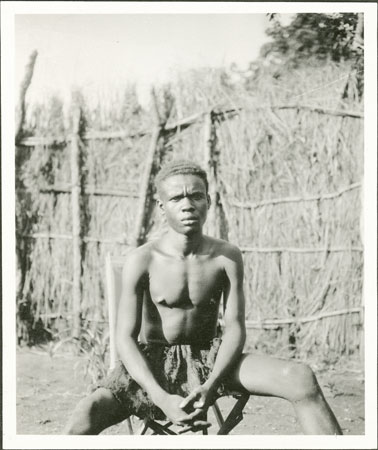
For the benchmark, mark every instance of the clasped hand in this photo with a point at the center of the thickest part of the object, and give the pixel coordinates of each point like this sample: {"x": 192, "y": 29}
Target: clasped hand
{"x": 189, "y": 412}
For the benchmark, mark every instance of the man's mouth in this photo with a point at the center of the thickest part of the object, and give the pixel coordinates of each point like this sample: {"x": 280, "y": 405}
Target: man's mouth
{"x": 189, "y": 219}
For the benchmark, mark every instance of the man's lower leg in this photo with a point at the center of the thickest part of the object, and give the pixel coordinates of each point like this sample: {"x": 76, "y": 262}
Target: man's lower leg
{"x": 315, "y": 415}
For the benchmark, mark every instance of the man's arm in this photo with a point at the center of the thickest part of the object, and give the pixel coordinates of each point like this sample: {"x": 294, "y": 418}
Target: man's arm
{"x": 129, "y": 320}
{"x": 234, "y": 335}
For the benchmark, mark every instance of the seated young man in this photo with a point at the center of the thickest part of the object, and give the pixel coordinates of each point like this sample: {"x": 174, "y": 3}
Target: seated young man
{"x": 172, "y": 362}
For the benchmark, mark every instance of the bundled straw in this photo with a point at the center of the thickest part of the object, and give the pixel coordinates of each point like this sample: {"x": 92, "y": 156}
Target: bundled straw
{"x": 286, "y": 183}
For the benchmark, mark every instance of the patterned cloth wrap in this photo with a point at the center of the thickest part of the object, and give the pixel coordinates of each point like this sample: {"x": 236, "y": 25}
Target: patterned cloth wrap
{"x": 177, "y": 368}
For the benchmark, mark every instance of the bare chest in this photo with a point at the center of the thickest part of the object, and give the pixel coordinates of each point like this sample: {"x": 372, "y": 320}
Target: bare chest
{"x": 183, "y": 283}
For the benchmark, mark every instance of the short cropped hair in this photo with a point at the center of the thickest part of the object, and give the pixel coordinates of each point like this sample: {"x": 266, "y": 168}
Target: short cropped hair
{"x": 180, "y": 167}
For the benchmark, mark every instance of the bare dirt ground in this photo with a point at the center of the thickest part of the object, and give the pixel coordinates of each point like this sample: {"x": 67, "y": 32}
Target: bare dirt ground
{"x": 48, "y": 388}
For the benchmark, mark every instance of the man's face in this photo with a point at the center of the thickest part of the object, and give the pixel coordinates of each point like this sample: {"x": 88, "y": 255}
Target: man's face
{"x": 185, "y": 203}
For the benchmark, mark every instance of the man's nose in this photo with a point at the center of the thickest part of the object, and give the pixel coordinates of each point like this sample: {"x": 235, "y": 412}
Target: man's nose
{"x": 187, "y": 205}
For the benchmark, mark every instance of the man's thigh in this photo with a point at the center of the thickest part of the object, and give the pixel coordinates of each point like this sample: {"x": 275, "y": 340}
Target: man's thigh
{"x": 266, "y": 375}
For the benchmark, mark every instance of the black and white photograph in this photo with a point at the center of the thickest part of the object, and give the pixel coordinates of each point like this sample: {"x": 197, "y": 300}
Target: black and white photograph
{"x": 189, "y": 229}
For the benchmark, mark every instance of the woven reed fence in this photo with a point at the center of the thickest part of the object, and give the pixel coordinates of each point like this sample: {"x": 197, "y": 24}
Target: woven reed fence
{"x": 285, "y": 180}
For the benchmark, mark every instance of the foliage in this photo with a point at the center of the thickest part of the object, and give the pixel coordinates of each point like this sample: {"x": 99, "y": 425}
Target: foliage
{"x": 94, "y": 346}
{"x": 313, "y": 38}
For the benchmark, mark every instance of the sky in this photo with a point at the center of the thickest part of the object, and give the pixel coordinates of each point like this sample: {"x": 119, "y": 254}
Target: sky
{"x": 97, "y": 50}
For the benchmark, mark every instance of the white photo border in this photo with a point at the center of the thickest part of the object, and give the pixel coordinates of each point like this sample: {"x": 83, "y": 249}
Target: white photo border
{"x": 13, "y": 441}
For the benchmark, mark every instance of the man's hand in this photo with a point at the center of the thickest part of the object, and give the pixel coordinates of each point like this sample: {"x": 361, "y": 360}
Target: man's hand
{"x": 171, "y": 406}
{"x": 198, "y": 424}
{"x": 200, "y": 398}
{"x": 198, "y": 401}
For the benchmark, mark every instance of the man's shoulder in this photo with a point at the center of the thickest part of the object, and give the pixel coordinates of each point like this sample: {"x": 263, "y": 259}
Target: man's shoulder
{"x": 231, "y": 258}
{"x": 139, "y": 256}
{"x": 222, "y": 247}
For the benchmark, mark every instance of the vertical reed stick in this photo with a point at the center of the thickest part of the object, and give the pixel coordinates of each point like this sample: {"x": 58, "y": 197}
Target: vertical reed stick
{"x": 76, "y": 226}
{"x": 360, "y": 330}
{"x": 210, "y": 167}
{"x": 358, "y": 40}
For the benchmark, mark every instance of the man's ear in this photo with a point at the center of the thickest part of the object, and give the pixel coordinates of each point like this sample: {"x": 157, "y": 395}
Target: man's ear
{"x": 160, "y": 205}
{"x": 208, "y": 201}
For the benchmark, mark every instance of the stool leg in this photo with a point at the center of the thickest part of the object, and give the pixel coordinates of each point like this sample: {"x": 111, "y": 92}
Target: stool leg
{"x": 159, "y": 429}
{"x": 143, "y": 429}
{"x": 218, "y": 414}
{"x": 235, "y": 416}
{"x": 129, "y": 426}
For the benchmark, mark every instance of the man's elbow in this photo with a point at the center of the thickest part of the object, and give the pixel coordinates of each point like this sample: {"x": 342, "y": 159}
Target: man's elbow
{"x": 122, "y": 341}
{"x": 119, "y": 344}
{"x": 243, "y": 337}
{"x": 237, "y": 330}
{"x": 242, "y": 333}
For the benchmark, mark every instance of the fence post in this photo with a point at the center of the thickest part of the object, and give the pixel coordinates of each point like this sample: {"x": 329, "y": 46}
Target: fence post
{"x": 20, "y": 116}
{"x": 76, "y": 225}
{"x": 19, "y": 123}
{"x": 145, "y": 191}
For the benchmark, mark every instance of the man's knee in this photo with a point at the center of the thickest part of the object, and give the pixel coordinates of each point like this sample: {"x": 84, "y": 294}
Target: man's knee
{"x": 303, "y": 381}
{"x": 87, "y": 415}
{"x": 94, "y": 404}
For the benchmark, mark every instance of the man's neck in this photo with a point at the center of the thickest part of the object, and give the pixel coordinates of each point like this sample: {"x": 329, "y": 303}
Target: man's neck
{"x": 184, "y": 245}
